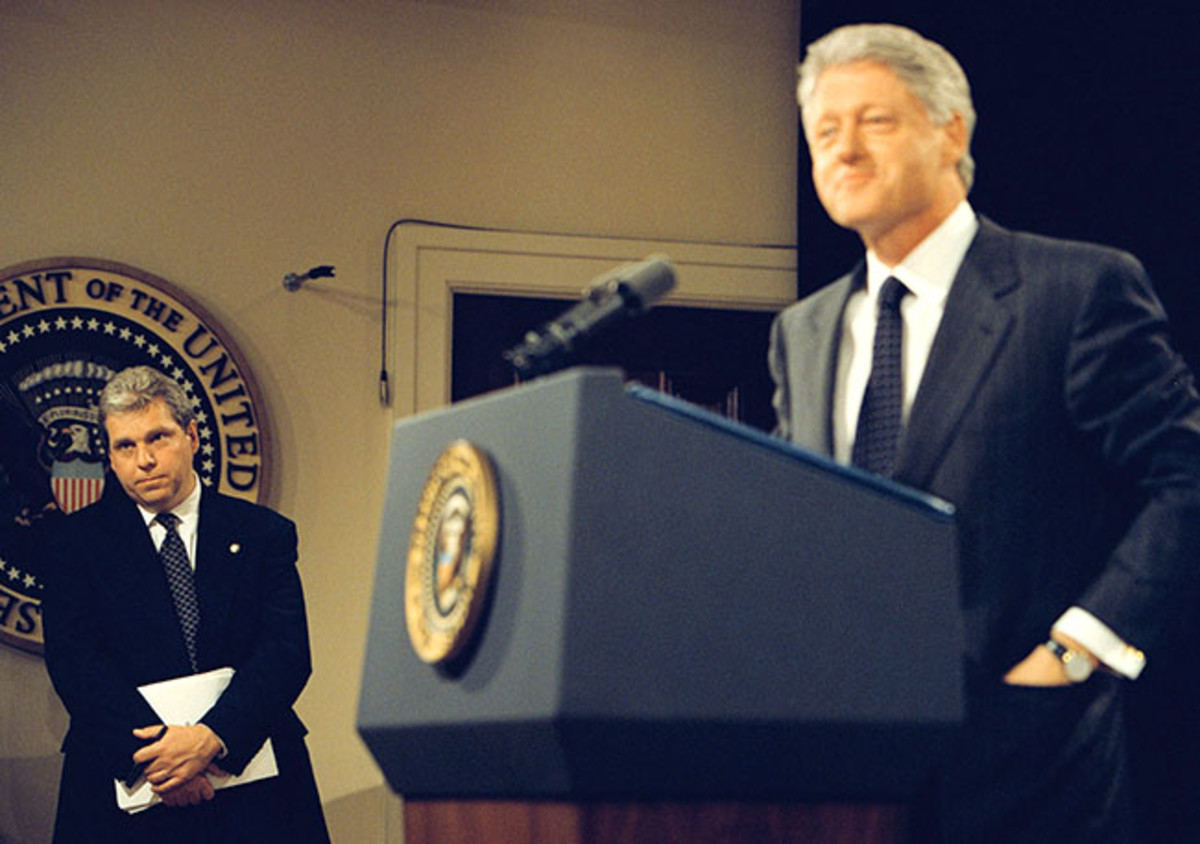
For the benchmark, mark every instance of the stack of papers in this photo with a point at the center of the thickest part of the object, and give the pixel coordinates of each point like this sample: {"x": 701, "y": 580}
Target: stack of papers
{"x": 184, "y": 700}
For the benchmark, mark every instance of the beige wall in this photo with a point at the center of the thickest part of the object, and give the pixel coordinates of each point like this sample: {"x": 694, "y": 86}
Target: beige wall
{"x": 220, "y": 144}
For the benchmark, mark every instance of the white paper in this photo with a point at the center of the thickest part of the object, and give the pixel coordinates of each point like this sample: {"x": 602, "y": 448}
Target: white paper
{"x": 184, "y": 700}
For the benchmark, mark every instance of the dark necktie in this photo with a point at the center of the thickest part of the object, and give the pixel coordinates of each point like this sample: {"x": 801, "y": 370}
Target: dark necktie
{"x": 181, "y": 580}
{"x": 879, "y": 425}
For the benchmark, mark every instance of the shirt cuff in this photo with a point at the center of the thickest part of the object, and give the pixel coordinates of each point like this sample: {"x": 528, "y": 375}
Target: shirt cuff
{"x": 1103, "y": 643}
{"x": 224, "y": 751}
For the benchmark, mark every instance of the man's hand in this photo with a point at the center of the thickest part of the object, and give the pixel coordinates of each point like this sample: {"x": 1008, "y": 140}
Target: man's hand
{"x": 1043, "y": 668}
{"x": 178, "y": 757}
{"x": 192, "y": 793}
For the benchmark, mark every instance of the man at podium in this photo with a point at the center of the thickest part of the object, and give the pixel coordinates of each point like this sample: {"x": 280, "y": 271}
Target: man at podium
{"x": 1031, "y": 383}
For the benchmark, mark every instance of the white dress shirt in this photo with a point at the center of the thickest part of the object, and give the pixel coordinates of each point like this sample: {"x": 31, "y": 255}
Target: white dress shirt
{"x": 188, "y": 512}
{"x": 928, "y": 272}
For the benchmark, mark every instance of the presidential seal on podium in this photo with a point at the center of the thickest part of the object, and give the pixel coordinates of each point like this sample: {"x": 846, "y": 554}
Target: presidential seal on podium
{"x": 451, "y": 553}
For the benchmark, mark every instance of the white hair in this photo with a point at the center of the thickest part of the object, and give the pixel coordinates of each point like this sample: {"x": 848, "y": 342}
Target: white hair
{"x": 926, "y": 68}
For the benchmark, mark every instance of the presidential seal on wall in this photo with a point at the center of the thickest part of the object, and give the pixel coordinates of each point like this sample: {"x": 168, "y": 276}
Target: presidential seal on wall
{"x": 67, "y": 325}
{"x": 451, "y": 553}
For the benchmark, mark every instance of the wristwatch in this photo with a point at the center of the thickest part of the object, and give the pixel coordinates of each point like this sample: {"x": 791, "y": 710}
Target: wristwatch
{"x": 1076, "y": 664}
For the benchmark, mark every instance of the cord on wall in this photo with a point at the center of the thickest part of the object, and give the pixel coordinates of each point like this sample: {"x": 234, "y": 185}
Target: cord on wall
{"x": 385, "y": 391}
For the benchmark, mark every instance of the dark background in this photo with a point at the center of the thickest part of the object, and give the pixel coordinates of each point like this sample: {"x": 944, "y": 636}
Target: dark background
{"x": 1088, "y": 129}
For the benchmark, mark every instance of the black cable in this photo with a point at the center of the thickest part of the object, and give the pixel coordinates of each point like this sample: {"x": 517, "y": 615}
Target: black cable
{"x": 385, "y": 389}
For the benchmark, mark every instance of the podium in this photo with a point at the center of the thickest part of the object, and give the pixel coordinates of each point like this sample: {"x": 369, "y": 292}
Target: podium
{"x": 692, "y": 630}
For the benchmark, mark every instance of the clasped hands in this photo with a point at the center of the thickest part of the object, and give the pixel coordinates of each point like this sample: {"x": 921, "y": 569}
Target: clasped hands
{"x": 178, "y": 764}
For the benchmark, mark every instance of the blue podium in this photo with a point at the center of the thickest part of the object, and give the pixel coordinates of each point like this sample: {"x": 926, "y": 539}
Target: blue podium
{"x": 683, "y": 612}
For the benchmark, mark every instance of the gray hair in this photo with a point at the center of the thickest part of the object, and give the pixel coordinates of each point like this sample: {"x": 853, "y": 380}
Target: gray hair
{"x": 134, "y": 388}
{"x": 927, "y": 69}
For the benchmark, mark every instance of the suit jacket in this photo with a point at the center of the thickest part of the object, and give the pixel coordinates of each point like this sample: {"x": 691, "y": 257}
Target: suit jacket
{"x": 1056, "y": 417}
{"x": 110, "y": 626}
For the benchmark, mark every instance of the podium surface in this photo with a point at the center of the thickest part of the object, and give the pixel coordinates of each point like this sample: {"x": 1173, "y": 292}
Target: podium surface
{"x": 681, "y": 609}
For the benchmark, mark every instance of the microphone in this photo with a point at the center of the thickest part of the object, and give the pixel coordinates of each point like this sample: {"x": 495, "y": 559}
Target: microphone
{"x": 624, "y": 292}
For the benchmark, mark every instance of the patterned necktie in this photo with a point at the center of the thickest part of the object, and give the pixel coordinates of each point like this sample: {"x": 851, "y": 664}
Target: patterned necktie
{"x": 879, "y": 418}
{"x": 182, "y": 582}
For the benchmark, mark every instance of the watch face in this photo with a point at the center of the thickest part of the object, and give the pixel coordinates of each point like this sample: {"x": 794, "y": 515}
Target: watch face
{"x": 1077, "y": 666}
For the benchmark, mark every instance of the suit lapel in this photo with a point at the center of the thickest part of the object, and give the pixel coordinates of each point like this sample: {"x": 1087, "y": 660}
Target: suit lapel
{"x": 974, "y": 328}
{"x": 133, "y": 551}
{"x": 824, "y": 319}
{"x": 130, "y": 531}
{"x": 217, "y": 571}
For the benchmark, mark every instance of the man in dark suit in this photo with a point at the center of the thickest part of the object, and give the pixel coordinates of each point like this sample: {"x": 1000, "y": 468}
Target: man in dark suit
{"x": 1028, "y": 381}
{"x": 115, "y": 620}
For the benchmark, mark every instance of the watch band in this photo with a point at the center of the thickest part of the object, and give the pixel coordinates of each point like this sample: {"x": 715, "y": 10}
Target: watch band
{"x": 1077, "y": 665}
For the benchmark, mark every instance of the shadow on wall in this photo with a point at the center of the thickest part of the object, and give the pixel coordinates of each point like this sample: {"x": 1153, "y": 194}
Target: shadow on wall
{"x": 32, "y": 725}
{"x": 31, "y": 792}
{"x": 372, "y": 815}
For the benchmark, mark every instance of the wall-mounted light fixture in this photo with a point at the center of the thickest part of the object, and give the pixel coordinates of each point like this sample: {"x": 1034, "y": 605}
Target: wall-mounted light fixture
{"x": 294, "y": 281}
